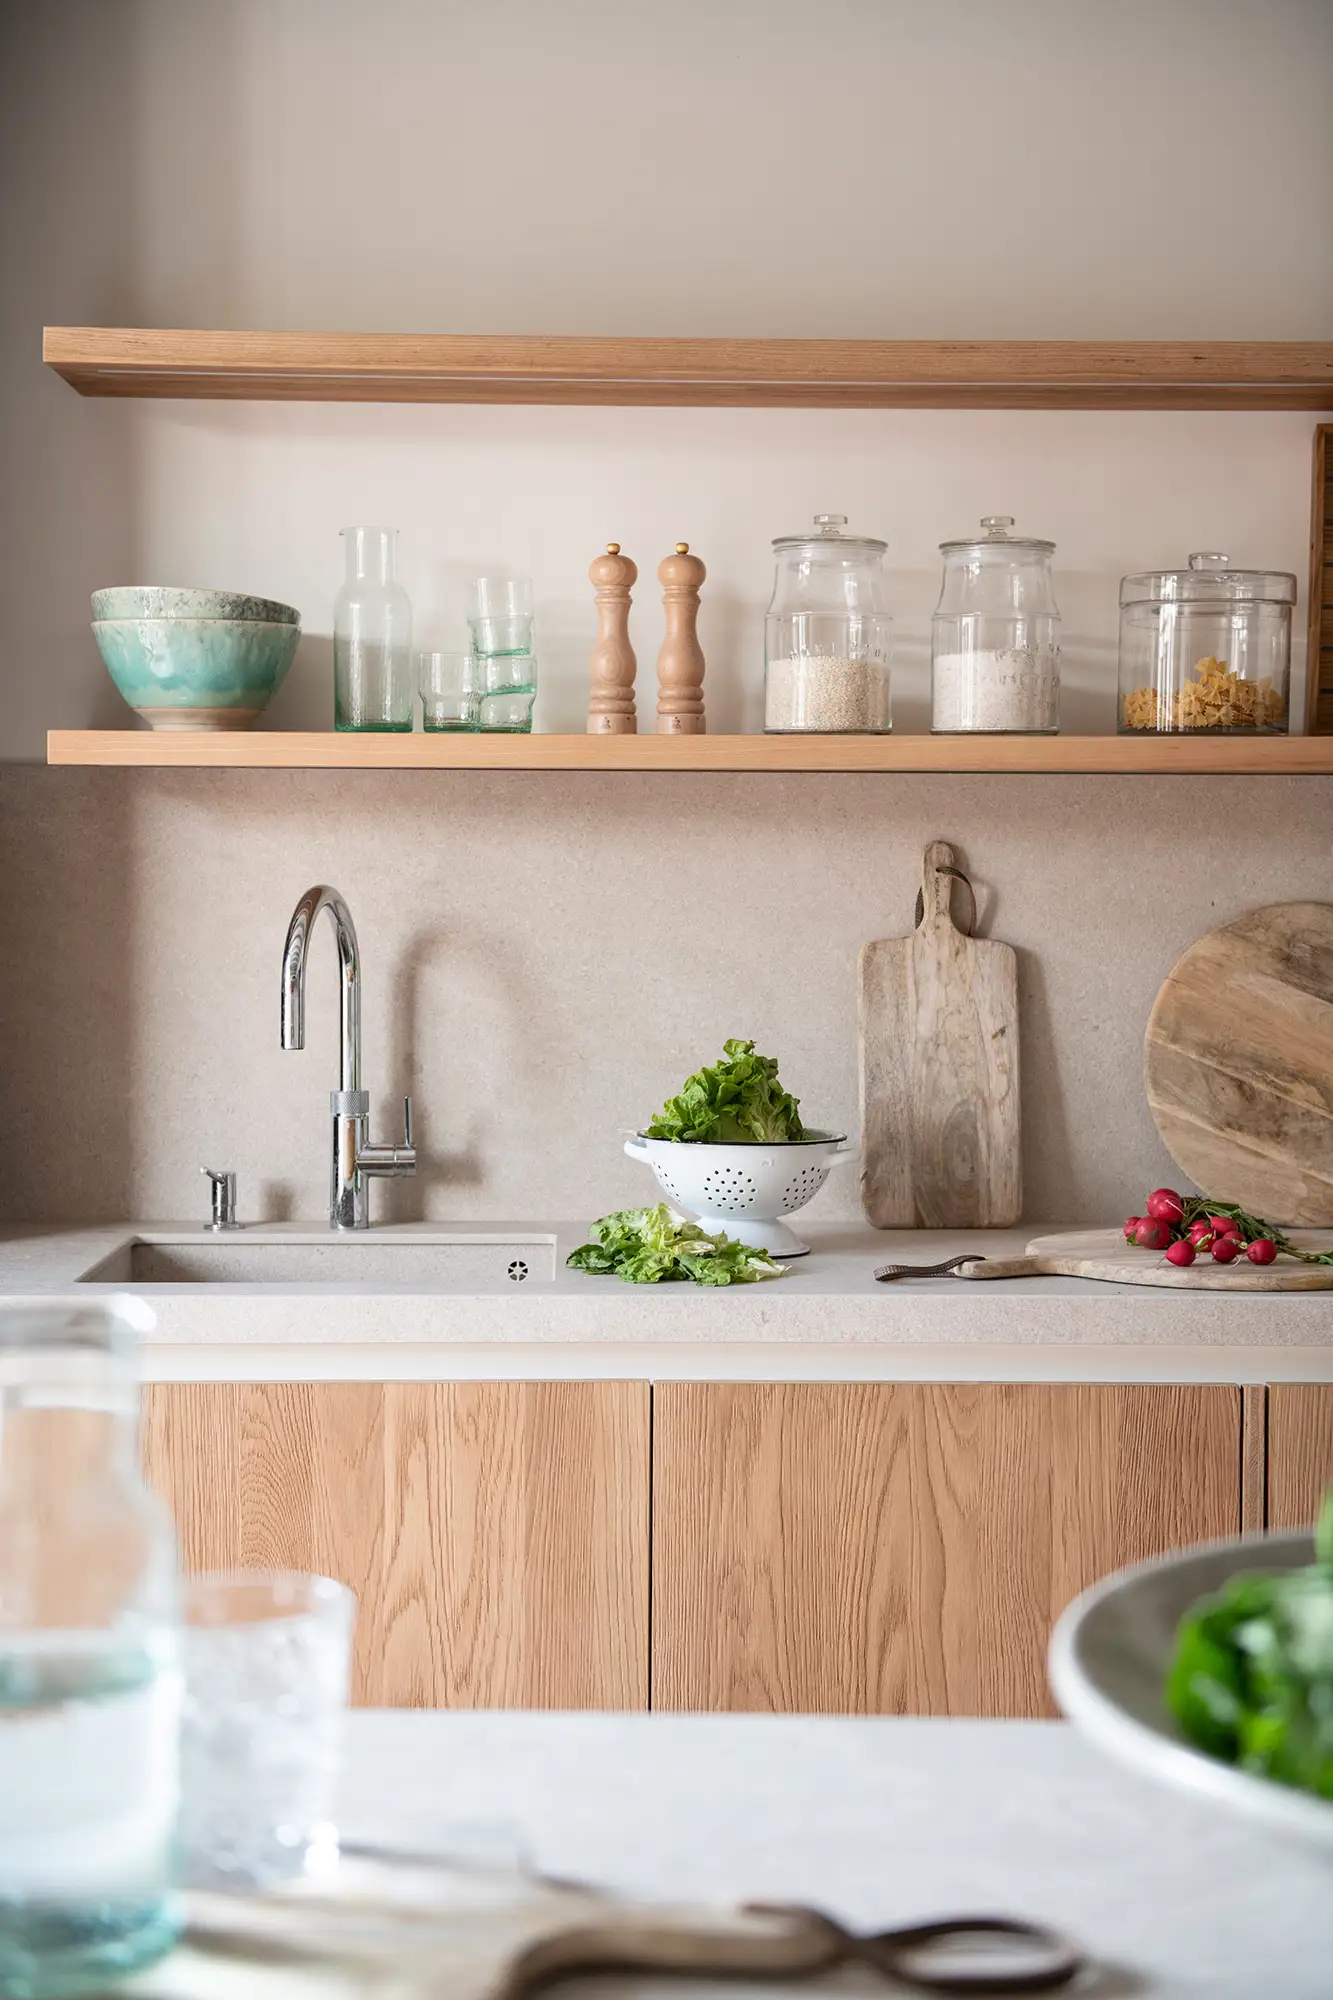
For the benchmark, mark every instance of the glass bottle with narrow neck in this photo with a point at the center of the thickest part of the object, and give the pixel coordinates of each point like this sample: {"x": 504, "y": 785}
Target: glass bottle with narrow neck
{"x": 373, "y": 684}
{"x": 90, "y": 1686}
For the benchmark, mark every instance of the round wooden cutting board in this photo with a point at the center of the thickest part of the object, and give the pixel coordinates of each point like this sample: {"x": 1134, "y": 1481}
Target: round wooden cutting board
{"x": 1238, "y": 1063}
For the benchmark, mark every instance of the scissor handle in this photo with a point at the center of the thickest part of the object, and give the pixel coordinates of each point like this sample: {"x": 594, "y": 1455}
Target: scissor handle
{"x": 904, "y": 1954}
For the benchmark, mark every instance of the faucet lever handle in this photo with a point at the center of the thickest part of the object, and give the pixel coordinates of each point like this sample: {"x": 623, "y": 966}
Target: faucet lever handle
{"x": 223, "y": 1190}
{"x": 407, "y": 1123}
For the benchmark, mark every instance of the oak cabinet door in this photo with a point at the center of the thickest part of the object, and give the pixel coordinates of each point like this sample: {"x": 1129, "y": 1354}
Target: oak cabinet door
{"x": 905, "y": 1548}
{"x": 1300, "y": 1451}
{"x": 496, "y": 1534}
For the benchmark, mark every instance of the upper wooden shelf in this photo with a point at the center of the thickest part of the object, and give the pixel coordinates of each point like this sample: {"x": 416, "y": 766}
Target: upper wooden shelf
{"x": 851, "y": 374}
{"x": 1288, "y": 756}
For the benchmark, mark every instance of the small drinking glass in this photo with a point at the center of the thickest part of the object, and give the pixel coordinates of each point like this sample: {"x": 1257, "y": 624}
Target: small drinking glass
{"x": 500, "y": 615}
{"x": 267, "y": 1656}
{"x": 450, "y": 685}
{"x": 507, "y": 689}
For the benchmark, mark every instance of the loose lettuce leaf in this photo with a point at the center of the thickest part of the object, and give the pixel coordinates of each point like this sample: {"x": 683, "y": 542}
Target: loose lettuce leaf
{"x": 646, "y": 1246}
{"x": 738, "y": 1101}
{"x": 1252, "y": 1677}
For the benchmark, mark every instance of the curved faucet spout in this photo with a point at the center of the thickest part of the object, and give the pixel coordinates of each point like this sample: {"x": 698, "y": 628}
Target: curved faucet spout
{"x": 294, "y": 954}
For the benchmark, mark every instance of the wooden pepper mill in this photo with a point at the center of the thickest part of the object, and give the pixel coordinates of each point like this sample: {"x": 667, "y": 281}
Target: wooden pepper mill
{"x": 612, "y": 665}
{"x": 680, "y": 664}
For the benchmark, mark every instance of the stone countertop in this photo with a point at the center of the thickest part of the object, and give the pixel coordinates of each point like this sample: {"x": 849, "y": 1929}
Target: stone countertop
{"x": 825, "y": 1317}
{"x": 881, "y": 1821}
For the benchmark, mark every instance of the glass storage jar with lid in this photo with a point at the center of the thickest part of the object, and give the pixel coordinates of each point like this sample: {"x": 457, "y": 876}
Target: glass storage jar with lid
{"x": 1206, "y": 647}
{"x": 995, "y": 636}
{"x": 826, "y": 636}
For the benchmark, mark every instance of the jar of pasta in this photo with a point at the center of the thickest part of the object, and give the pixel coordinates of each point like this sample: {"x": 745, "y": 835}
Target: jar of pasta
{"x": 1205, "y": 647}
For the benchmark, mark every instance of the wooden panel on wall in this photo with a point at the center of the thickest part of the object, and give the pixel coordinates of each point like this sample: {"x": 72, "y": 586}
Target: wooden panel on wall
{"x": 1319, "y": 657}
{"x": 798, "y": 374}
{"x": 1300, "y": 1451}
{"x": 904, "y": 1548}
{"x": 1184, "y": 754}
{"x": 496, "y": 1534}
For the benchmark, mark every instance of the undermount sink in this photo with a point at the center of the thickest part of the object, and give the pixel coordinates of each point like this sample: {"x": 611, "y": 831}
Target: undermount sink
{"x": 369, "y": 1258}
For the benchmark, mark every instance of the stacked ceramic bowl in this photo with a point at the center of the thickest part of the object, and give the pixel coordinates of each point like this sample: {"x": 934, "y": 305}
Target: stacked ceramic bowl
{"x": 194, "y": 659}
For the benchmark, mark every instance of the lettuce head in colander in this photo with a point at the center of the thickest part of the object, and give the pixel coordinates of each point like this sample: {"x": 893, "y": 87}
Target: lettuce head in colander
{"x": 738, "y": 1101}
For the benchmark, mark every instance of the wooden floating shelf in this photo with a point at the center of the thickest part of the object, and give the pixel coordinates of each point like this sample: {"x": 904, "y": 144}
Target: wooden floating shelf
{"x": 1287, "y": 756}
{"x": 848, "y": 374}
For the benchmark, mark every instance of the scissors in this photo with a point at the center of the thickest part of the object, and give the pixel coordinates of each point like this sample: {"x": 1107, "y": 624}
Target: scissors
{"x": 979, "y": 1955}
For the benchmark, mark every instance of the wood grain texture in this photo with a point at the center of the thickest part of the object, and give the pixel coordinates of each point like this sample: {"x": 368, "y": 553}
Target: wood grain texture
{"x": 850, "y": 374}
{"x": 273, "y": 749}
{"x": 496, "y": 1534}
{"x": 904, "y": 1548}
{"x": 612, "y": 665}
{"x": 1103, "y": 1253}
{"x": 1253, "y": 1458}
{"x": 1319, "y": 645}
{"x": 1238, "y": 1062}
{"x": 680, "y": 658}
{"x": 1300, "y": 1451}
{"x": 938, "y": 1016}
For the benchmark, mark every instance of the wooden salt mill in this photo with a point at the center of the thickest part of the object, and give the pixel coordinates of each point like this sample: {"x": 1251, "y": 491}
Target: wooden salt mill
{"x": 680, "y": 664}
{"x": 612, "y": 665}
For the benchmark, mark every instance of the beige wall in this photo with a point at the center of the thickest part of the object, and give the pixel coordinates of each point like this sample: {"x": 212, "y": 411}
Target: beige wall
{"x": 1152, "y": 168}
{"x": 547, "y": 956}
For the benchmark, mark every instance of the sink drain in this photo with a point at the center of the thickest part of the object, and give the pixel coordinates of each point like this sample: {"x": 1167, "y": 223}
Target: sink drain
{"x": 518, "y": 1270}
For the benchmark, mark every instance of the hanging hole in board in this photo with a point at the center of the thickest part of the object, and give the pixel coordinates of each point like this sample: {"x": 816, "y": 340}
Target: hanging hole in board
{"x": 958, "y": 876}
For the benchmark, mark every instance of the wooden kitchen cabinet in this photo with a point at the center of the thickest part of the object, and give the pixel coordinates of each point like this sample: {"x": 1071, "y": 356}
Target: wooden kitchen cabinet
{"x": 904, "y": 1548}
{"x": 496, "y": 1534}
{"x": 1300, "y": 1451}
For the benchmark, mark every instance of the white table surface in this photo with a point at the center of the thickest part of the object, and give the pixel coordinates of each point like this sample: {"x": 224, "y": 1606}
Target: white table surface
{"x": 879, "y": 1821}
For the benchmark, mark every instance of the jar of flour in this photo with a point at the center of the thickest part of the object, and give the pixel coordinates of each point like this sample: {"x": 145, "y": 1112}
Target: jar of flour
{"x": 995, "y": 636}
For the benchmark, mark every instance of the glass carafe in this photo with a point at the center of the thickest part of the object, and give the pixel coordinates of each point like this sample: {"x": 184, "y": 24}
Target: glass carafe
{"x": 373, "y": 683}
{"x": 90, "y": 1690}
{"x": 995, "y": 636}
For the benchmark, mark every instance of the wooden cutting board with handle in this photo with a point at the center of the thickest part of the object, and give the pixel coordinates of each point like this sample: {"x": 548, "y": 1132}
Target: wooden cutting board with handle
{"x": 939, "y": 1070}
{"x": 1238, "y": 1063}
{"x": 1104, "y": 1254}
{"x": 428, "y": 1931}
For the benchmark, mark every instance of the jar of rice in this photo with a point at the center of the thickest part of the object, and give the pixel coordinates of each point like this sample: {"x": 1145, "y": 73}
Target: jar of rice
{"x": 826, "y": 635}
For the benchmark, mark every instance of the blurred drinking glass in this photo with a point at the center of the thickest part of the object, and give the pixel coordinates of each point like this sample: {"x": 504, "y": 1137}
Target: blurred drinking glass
{"x": 267, "y": 1659}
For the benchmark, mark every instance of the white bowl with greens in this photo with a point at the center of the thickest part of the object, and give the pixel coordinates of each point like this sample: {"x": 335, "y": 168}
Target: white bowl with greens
{"x": 730, "y": 1149}
{"x": 1212, "y": 1671}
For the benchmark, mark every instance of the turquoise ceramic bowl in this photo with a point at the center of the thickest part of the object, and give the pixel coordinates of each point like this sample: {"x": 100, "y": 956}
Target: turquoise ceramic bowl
{"x": 165, "y": 600}
{"x": 197, "y": 673}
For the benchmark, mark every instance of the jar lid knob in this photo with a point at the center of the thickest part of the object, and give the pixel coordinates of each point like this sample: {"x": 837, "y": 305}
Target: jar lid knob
{"x": 829, "y": 524}
{"x": 997, "y": 526}
{"x": 613, "y": 548}
{"x": 1209, "y": 559}
{"x": 682, "y": 548}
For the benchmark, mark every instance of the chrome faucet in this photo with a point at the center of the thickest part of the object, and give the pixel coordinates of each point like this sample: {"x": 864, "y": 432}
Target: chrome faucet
{"x": 354, "y": 1159}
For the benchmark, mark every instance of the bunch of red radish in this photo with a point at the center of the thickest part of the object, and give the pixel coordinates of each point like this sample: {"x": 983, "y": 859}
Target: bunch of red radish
{"x": 1164, "y": 1228}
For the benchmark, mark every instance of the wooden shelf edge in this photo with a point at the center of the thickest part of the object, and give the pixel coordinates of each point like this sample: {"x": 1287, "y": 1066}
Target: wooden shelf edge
{"x": 853, "y": 374}
{"x": 1286, "y": 756}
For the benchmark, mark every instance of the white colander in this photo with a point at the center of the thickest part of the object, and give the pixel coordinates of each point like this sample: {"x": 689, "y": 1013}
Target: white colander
{"x": 743, "y": 1190}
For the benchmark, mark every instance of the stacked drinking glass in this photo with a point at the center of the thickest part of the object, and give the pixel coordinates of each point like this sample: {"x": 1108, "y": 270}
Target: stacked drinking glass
{"x": 505, "y": 665}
